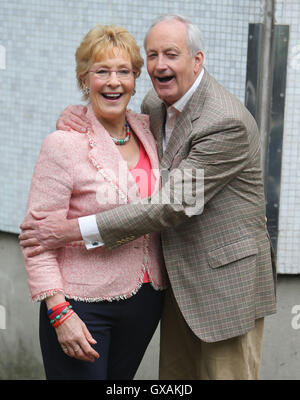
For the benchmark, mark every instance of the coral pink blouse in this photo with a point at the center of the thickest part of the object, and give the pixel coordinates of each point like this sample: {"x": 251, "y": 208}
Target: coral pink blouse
{"x": 145, "y": 183}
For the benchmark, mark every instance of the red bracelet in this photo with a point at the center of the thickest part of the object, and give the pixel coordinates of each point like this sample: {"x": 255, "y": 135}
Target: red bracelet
{"x": 64, "y": 304}
{"x": 63, "y": 319}
{"x": 58, "y": 311}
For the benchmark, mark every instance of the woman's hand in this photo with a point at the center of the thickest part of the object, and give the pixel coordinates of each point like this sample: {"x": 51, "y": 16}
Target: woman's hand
{"x": 73, "y": 117}
{"x": 72, "y": 334}
{"x": 76, "y": 340}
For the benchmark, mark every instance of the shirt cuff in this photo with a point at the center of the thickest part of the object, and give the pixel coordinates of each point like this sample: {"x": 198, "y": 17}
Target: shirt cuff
{"x": 90, "y": 232}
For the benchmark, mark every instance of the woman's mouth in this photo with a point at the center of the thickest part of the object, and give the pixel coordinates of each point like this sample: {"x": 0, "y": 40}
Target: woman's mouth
{"x": 112, "y": 96}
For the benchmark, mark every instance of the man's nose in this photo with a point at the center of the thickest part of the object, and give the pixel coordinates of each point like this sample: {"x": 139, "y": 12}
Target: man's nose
{"x": 161, "y": 63}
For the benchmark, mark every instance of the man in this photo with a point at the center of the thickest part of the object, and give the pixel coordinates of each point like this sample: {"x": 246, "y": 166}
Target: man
{"x": 218, "y": 257}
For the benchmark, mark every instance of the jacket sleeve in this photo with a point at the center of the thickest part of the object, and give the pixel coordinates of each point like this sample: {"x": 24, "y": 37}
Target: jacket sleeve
{"x": 50, "y": 191}
{"x": 214, "y": 159}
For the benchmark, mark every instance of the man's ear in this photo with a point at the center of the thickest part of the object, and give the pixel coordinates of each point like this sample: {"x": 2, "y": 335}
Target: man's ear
{"x": 199, "y": 59}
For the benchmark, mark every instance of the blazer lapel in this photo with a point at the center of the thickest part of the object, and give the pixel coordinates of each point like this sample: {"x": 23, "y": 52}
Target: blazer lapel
{"x": 157, "y": 125}
{"x": 109, "y": 162}
{"x": 184, "y": 124}
{"x": 182, "y": 129}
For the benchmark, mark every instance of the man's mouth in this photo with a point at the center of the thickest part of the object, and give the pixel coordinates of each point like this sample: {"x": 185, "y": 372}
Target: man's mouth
{"x": 164, "y": 79}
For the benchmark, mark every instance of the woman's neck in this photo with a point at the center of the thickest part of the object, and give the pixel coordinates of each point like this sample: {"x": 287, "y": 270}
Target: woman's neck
{"x": 115, "y": 127}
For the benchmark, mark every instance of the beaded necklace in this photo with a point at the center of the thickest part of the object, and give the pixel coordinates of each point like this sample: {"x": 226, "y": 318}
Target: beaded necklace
{"x": 126, "y": 139}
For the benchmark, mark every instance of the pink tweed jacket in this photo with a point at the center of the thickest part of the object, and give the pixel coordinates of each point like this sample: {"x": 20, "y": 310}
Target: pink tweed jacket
{"x": 78, "y": 174}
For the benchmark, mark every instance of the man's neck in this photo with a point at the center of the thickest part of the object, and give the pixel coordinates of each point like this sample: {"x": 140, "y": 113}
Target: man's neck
{"x": 181, "y": 103}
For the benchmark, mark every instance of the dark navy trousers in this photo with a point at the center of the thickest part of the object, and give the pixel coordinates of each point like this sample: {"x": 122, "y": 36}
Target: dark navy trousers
{"x": 122, "y": 329}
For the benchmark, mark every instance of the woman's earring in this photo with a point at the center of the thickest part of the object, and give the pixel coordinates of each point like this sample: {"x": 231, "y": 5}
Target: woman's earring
{"x": 87, "y": 90}
{"x": 133, "y": 92}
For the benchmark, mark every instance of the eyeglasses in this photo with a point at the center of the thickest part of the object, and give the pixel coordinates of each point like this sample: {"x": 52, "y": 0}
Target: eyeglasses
{"x": 105, "y": 74}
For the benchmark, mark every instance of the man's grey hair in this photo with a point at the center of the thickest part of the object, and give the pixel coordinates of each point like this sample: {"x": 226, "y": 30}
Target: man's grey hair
{"x": 195, "y": 40}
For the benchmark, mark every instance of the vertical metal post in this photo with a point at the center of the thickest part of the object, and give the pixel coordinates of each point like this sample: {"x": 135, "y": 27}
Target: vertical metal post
{"x": 265, "y": 89}
{"x": 275, "y": 140}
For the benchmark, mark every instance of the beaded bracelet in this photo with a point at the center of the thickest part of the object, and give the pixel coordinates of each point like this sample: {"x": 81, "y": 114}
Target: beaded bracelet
{"x": 57, "y": 312}
{"x": 64, "y": 304}
{"x": 60, "y": 315}
{"x": 63, "y": 319}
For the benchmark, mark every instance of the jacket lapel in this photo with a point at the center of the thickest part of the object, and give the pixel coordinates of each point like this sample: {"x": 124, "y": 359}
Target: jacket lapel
{"x": 181, "y": 130}
{"x": 109, "y": 162}
{"x": 184, "y": 124}
{"x": 157, "y": 125}
{"x": 139, "y": 124}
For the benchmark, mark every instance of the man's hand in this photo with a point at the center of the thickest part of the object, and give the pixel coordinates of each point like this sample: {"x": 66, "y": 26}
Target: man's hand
{"x": 73, "y": 117}
{"x": 44, "y": 231}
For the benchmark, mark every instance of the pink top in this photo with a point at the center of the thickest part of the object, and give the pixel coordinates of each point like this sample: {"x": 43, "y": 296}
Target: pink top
{"x": 145, "y": 183}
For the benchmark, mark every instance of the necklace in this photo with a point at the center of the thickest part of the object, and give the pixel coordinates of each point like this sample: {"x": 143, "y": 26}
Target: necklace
{"x": 126, "y": 139}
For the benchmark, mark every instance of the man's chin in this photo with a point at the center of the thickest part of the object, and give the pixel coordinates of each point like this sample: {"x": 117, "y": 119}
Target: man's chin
{"x": 167, "y": 98}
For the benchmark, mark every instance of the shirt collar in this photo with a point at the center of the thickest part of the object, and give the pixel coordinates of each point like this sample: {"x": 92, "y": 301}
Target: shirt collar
{"x": 182, "y": 102}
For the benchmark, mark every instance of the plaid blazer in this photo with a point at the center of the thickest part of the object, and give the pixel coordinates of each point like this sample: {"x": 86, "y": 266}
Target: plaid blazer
{"x": 218, "y": 256}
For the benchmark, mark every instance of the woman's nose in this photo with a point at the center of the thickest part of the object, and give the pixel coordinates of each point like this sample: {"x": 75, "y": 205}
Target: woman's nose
{"x": 113, "y": 79}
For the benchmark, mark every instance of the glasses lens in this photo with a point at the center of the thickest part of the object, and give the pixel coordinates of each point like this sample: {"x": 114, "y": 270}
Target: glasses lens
{"x": 123, "y": 73}
{"x": 102, "y": 73}
{"x": 106, "y": 73}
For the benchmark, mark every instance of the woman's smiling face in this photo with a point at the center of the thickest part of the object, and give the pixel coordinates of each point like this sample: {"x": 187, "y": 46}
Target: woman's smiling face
{"x": 111, "y": 82}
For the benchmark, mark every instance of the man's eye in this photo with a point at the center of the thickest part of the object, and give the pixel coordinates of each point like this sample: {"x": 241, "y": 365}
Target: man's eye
{"x": 171, "y": 55}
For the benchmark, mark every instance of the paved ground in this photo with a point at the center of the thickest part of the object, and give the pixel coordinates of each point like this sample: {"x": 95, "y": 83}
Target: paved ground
{"x": 19, "y": 343}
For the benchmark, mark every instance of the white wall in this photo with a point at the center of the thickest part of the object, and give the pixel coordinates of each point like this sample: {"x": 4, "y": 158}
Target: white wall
{"x": 40, "y": 38}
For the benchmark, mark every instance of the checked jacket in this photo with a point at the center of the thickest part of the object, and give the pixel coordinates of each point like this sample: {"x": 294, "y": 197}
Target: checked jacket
{"x": 218, "y": 257}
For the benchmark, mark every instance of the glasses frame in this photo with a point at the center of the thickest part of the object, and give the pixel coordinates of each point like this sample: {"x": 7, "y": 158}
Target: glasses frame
{"x": 110, "y": 71}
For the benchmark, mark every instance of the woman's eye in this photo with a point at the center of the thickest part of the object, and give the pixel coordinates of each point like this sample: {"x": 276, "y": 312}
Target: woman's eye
{"x": 124, "y": 72}
{"x": 102, "y": 72}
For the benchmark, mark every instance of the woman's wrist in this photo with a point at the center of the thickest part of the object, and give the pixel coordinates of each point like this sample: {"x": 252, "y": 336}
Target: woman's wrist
{"x": 52, "y": 301}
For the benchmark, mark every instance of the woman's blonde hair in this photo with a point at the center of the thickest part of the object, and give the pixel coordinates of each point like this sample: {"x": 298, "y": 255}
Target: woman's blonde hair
{"x": 100, "y": 40}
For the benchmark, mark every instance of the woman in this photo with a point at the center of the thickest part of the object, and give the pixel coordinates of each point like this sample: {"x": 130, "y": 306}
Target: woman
{"x": 99, "y": 308}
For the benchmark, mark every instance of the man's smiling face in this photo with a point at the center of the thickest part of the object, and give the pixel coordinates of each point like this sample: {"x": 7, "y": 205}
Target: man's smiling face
{"x": 170, "y": 65}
